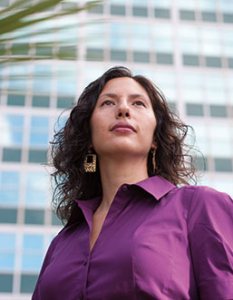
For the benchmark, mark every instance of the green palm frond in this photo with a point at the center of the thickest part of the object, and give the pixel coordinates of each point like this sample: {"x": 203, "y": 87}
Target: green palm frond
{"x": 20, "y": 22}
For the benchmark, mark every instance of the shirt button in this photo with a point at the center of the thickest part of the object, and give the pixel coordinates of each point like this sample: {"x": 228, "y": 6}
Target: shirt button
{"x": 85, "y": 263}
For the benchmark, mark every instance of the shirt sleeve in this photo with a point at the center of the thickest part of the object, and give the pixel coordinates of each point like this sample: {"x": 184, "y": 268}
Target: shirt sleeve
{"x": 210, "y": 224}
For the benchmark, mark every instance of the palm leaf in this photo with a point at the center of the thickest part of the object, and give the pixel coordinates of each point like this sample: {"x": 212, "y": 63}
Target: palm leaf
{"x": 20, "y": 16}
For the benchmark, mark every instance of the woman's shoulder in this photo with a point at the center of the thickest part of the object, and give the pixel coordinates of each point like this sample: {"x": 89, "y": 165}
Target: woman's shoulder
{"x": 206, "y": 205}
{"x": 203, "y": 194}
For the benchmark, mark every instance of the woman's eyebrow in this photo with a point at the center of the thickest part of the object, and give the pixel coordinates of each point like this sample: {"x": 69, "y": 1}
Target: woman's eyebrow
{"x": 110, "y": 95}
{"x": 114, "y": 96}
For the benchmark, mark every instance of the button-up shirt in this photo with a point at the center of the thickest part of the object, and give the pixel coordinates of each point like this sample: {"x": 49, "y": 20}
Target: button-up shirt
{"x": 158, "y": 241}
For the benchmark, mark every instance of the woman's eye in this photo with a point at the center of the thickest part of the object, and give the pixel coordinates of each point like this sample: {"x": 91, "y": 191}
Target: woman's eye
{"x": 139, "y": 103}
{"x": 107, "y": 102}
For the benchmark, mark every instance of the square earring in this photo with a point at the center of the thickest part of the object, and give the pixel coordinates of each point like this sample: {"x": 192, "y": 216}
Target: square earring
{"x": 90, "y": 163}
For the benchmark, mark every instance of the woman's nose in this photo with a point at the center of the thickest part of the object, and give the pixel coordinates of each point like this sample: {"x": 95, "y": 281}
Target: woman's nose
{"x": 123, "y": 112}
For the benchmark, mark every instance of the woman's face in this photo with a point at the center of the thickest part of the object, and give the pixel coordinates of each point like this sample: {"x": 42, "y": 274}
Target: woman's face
{"x": 123, "y": 121}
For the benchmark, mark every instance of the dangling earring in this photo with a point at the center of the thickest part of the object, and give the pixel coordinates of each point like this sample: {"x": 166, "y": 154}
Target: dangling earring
{"x": 153, "y": 151}
{"x": 90, "y": 163}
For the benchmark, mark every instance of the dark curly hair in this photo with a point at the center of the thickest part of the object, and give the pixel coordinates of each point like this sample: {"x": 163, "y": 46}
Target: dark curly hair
{"x": 72, "y": 142}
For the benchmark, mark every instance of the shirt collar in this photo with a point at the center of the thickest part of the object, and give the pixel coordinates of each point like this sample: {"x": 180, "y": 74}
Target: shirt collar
{"x": 157, "y": 186}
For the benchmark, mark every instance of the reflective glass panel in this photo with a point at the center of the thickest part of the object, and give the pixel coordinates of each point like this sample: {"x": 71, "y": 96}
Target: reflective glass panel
{"x": 140, "y": 38}
{"x": 226, "y": 5}
{"x": 162, "y": 39}
{"x": 7, "y": 251}
{"x": 118, "y": 35}
{"x": 66, "y": 79}
{"x": 11, "y": 127}
{"x": 95, "y": 34}
{"x": 32, "y": 252}
{"x": 42, "y": 79}
{"x": 9, "y": 188}
{"x": 37, "y": 189}
{"x": 39, "y": 131}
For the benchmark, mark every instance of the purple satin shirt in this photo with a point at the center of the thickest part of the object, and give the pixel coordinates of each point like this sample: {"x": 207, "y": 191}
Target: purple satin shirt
{"x": 158, "y": 241}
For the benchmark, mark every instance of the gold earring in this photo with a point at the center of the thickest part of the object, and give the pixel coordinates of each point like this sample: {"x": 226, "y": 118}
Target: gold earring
{"x": 153, "y": 151}
{"x": 90, "y": 163}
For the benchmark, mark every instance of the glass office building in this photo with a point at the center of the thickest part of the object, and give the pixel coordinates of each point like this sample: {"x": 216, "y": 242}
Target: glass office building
{"x": 185, "y": 47}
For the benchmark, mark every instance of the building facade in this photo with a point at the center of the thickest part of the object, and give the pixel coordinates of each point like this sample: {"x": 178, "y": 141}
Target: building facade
{"x": 185, "y": 47}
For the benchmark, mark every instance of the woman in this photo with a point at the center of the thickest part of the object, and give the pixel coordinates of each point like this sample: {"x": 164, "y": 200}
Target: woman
{"x": 134, "y": 227}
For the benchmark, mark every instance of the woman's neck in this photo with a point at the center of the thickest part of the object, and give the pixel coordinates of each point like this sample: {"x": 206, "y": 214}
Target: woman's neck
{"x": 114, "y": 173}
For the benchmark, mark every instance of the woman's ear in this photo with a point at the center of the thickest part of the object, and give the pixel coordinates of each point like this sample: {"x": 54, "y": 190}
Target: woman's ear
{"x": 154, "y": 145}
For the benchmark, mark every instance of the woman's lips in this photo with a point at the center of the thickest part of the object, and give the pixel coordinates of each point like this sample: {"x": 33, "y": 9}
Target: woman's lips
{"x": 123, "y": 127}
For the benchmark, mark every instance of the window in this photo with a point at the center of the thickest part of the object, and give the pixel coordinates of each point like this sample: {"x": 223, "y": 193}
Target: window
{"x": 17, "y": 73}
{"x": 117, "y": 10}
{"x": 69, "y": 5}
{"x": 6, "y": 283}
{"x": 67, "y": 52}
{"x": 191, "y": 60}
{"x": 34, "y": 216}
{"x": 11, "y": 155}
{"x": 37, "y": 156}
{"x": 189, "y": 39}
{"x": 37, "y": 188}
{"x": 27, "y": 283}
{"x": 213, "y": 62}
{"x": 19, "y": 49}
{"x": 8, "y": 215}
{"x": 66, "y": 79}
{"x": 211, "y": 42}
{"x": 118, "y": 35}
{"x": 95, "y": 36}
{"x": 11, "y": 127}
{"x": 7, "y": 251}
{"x": 32, "y": 256}
{"x": 94, "y": 54}
{"x": 118, "y": 55}
{"x": 17, "y": 100}
{"x": 209, "y": 16}
{"x": 208, "y": 5}
{"x": 164, "y": 58}
{"x": 55, "y": 220}
{"x": 227, "y": 18}
{"x": 140, "y": 11}
{"x": 193, "y": 109}
{"x": 40, "y": 101}
{"x": 43, "y": 50}
{"x": 96, "y": 9}
{"x": 65, "y": 102}
{"x": 162, "y": 3}
{"x": 161, "y": 40}
{"x": 230, "y": 62}
{"x": 42, "y": 79}
{"x": 172, "y": 106}
{"x": 191, "y": 4}
{"x": 223, "y": 165}
{"x": 226, "y": 5}
{"x": 220, "y": 140}
{"x": 9, "y": 188}
{"x": 218, "y": 111}
{"x": 227, "y": 42}
{"x": 39, "y": 131}
{"x": 139, "y": 56}
{"x": 201, "y": 163}
{"x": 162, "y": 13}
{"x": 202, "y": 142}
{"x": 187, "y": 15}
{"x": 192, "y": 86}
{"x": 140, "y": 37}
